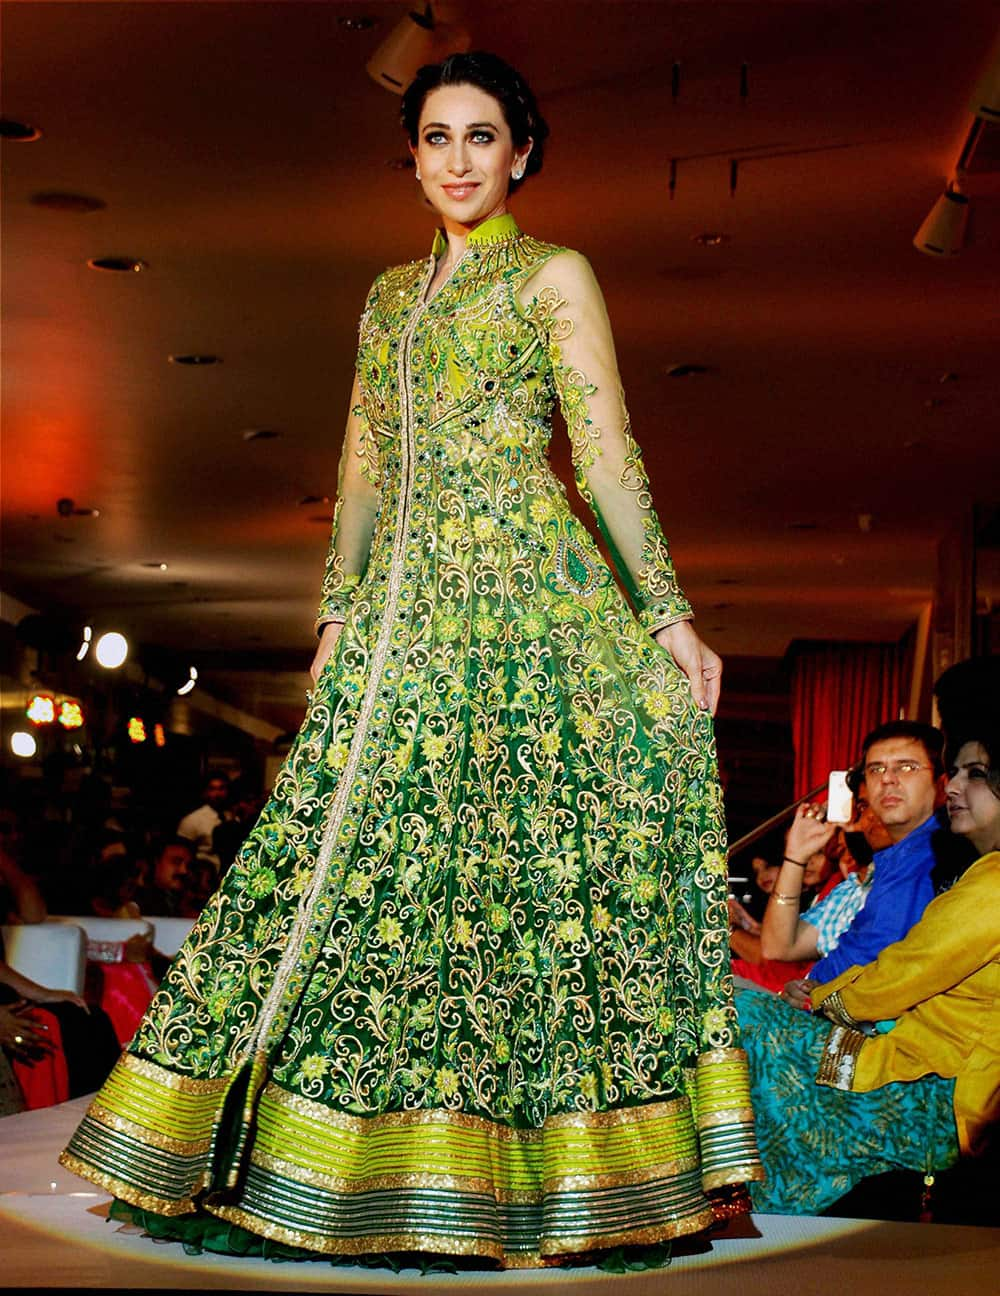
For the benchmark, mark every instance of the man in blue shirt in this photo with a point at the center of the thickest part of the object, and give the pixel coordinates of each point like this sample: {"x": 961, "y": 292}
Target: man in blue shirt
{"x": 901, "y": 766}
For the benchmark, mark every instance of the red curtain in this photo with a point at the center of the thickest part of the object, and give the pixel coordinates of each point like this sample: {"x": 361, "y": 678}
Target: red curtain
{"x": 839, "y": 693}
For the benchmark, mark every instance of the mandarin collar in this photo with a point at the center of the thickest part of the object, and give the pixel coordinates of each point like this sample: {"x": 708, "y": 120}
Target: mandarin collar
{"x": 498, "y": 229}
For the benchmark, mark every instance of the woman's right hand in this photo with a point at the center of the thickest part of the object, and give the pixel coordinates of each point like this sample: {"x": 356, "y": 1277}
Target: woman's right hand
{"x": 22, "y": 1035}
{"x": 327, "y": 643}
{"x": 809, "y": 833}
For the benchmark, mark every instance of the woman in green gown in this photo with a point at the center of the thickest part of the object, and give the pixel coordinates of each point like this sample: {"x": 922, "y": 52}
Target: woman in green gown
{"x": 465, "y": 990}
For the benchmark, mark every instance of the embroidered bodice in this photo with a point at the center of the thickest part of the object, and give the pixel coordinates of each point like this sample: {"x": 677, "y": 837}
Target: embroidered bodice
{"x": 474, "y": 375}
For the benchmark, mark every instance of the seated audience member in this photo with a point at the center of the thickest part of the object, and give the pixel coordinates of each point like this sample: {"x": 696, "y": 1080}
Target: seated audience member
{"x": 168, "y": 878}
{"x": 60, "y": 1048}
{"x": 198, "y": 889}
{"x": 900, "y": 1068}
{"x": 232, "y": 832}
{"x": 20, "y": 898}
{"x": 902, "y": 771}
{"x": 200, "y": 824}
{"x": 748, "y": 961}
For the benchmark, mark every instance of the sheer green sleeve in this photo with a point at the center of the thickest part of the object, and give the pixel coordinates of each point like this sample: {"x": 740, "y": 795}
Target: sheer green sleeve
{"x": 353, "y": 518}
{"x": 566, "y": 301}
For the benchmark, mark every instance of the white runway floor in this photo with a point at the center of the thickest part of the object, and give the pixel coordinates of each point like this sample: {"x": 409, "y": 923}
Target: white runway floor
{"x": 53, "y": 1234}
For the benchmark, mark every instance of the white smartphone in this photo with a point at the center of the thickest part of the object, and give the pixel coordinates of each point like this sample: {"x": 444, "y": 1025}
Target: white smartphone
{"x": 839, "y": 800}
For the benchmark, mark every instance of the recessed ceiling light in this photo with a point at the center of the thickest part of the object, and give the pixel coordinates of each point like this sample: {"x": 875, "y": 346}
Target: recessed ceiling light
{"x": 67, "y": 202}
{"x": 67, "y": 508}
{"x": 314, "y": 499}
{"x": 688, "y": 370}
{"x": 118, "y": 264}
{"x": 195, "y": 359}
{"x": 259, "y": 434}
{"x": 160, "y": 566}
{"x": 711, "y": 238}
{"x": 401, "y": 163}
{"x": 360, "y": 22}
{"x": 18, "y": 132}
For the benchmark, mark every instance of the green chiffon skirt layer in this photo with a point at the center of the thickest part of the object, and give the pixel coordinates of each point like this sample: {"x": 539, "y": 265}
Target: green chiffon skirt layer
{"x": 817, "y": 1142}
{"x": 200, "y": 1233}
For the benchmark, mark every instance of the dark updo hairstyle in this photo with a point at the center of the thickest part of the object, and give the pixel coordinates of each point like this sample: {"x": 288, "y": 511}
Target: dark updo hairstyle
{"x": 489, "y": 73}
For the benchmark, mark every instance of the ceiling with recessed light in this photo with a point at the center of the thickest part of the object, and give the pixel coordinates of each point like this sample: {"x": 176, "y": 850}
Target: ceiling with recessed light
{"x": 816, "y": 399}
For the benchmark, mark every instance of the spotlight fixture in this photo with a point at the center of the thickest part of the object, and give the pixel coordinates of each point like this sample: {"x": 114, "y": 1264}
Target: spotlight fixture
{"x": 420, "y": 37}
{"x": 191, "y": 681}
{"x": 111, "y": 650}
{"x": 66, "y": 508}
{"x": 23, "y": 744}
{"x": 359, "y": 23}
{"x": 18, "y": 132}
{"x": 259, "y": 434}
{"x": 943, "y": 232}
{"x": 118, "y": 264}
{"x": 711, "y": 238}
{"x": 195, "y": 358}
{"x": 986, "y": 97}
{"x": 157, "y": 566}
{"x": 687, "y": 370}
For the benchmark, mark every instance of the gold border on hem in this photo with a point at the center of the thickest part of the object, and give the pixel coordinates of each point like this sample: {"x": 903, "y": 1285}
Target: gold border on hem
{"x": 441, "y": 1244}
{"x": 127, "y": 1193}
{"x": 752, "y": 1172}
{"x": 170, "y": 1079}
{"x": 143, "y": 1134}
{"x": 467, "y": 1183}
{"x": 444, "y": 1116}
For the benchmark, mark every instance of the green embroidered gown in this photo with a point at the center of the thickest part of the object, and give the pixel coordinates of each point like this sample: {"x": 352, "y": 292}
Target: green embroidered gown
{"x": 465, "y": 989}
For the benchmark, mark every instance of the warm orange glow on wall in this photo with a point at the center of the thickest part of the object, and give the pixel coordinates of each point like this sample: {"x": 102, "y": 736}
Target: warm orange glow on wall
{"x": 159, "y": 737}
{"x": 70, "y": 714}
{"x": 136, "y": 729}
{"x": 41, "y": 709}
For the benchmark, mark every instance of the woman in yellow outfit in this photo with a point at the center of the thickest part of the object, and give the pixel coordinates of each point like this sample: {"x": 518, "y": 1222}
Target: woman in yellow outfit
{"x": 908, "y": 1075}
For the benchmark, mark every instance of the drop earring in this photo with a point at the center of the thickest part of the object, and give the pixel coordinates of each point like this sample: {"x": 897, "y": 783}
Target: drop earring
{"x": 517, "y": 173}
{"x": 417, "y": 173}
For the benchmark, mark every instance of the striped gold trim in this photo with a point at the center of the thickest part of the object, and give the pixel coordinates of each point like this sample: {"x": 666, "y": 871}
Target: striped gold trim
{"x": 150, "y": 1137}
{"x": 169, "y": 1079}
{"x": 126, "y": 1191}
{"x": 437, "y": 1243}
{"x": 462, "y": 1120}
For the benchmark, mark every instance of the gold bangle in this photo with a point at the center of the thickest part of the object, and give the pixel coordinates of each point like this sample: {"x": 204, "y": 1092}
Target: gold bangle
{"x": 784, "y": 900}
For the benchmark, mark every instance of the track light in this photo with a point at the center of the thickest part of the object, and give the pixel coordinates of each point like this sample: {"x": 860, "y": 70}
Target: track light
{"x": 943, "y": 232}
{"x": 986, "y": 96}
{"x": 190, "y": 683}
{"x": 422, "y": 36}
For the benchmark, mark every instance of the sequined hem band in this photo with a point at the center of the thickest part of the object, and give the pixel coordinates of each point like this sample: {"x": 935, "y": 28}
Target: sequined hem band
{"x": 428, "y": 1180}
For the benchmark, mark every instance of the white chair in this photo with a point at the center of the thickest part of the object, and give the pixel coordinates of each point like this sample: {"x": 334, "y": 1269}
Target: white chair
{"x": 170, "y": 934}
{"x": 106, "y": 937}
{"x": 52, "y": 953}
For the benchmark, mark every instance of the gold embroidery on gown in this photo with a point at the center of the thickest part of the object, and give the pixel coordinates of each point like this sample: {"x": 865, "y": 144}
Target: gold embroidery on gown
{"x": 476, "y": 946}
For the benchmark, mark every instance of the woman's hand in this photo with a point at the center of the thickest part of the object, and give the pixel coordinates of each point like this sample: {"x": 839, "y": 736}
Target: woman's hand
{"x": 46, "y": 996}
{"x": 327, "y": 643}
{"x": 21, "y": 1035}
{"x": 796, "y": 993}
{"x": 702, "y": 666}
{"x": 808, "y": 834}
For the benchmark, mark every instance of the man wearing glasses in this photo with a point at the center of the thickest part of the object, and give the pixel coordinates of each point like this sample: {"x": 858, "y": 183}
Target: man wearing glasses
{"x": 902, "y": 772}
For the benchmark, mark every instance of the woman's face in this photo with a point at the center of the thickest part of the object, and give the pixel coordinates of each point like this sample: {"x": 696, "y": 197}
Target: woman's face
{"x": 465, "y": 155}
{"x": 973, "y": 807}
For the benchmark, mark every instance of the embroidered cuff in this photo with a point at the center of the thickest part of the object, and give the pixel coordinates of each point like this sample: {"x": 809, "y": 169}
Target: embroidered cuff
{"x": 839, "y": 1059}
{"x": 666, "y": 612}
